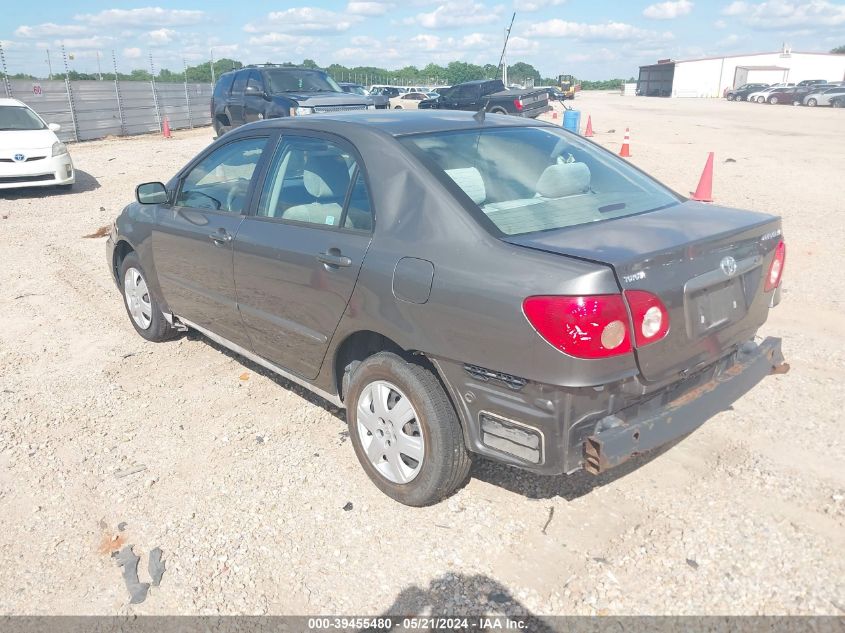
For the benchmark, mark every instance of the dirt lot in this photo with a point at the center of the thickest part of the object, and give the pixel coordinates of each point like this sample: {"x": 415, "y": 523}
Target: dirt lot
{"x": 251, "y": 487}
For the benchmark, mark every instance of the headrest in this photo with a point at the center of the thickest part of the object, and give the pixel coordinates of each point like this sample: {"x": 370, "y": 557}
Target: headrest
{"x": 326, "y": 176}
{"x": 469, "y": 179}
{"x": 564, "y": 179}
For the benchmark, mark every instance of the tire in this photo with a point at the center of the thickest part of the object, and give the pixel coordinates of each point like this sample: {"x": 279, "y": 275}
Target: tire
{"x": 397, "y": 107}
{"x": 219, "y": 129}
{"x": 147, "y": 320}
{"x": 730, "y": 97}
{"x": 773, "y": 100}
{"x": 443, "y": 463}
{"x": 498, "y": 111}
{"x": 761, "y": 99}
{"x": 812, "y": 103}
{"x": 838, "y": 103}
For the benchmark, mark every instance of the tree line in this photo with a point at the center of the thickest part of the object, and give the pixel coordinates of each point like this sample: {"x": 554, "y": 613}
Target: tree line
{"x": 432, "y": 74}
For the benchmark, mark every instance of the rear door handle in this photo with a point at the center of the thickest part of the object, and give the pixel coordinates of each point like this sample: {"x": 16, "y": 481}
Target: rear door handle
{"x": 220, "y": 237}
{"x": 332, "y": 257}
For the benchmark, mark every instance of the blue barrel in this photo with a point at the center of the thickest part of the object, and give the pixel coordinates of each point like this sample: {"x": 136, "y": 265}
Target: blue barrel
{"x": 572, "y": 120}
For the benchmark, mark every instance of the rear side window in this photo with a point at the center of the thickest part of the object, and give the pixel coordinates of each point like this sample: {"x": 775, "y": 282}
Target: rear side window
{"x": 224, "y": 84}
{"x": 528, "y": 179}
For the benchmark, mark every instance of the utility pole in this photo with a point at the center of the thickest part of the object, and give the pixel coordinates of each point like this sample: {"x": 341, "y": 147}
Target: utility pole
{"x": 99, "y": 70}
{"x": 49, "y": 66}
{"x": 502, "y": 62}
{"x": 6, "y": 83}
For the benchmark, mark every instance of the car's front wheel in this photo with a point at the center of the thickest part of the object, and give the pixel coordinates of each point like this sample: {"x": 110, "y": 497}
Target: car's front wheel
{"x": 812, "y": 103}
{"x": 405, "y": 431}
{"x": 773, "y": 100}
{"x": 143, "y": 310}
{"x": 838, "y": 103}
{"x": 730, "y": 97}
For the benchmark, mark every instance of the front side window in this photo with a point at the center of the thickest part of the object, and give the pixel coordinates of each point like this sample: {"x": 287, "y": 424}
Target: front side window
{"x": 528, "y": 179}
{"x": 19, "y": 118}
{"x": 220, "y": 181}
{"x": 255, "y": 81}
{"x": 308, "y": 181}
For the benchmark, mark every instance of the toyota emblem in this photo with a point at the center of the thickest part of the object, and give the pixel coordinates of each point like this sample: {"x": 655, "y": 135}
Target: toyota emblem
{"x": 20, "y": 158}
{"x": 728, "y": 266}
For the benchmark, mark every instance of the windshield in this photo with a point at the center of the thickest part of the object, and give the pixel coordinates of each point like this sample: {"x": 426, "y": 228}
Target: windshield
{"x": 19, "y": 118}
{"x": 300, "y": 81}
{"x": 527, "y": 179}
{"x": 356, "y": 90}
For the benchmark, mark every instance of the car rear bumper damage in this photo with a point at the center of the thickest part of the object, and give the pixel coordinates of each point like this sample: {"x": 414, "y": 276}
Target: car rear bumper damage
{"x": 552, "y": 430}
{"x": 626, "y": 434}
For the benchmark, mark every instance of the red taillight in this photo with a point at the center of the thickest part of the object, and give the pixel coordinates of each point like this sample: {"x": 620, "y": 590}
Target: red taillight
{"x": 651, "y": 319}
{"x": 585, "y": 327}
{"x": 776, "y": 267}
{"x": 517, "y": 103}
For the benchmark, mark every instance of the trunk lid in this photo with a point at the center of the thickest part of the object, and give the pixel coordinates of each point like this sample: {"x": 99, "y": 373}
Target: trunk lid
{"x": 706, "y": 263}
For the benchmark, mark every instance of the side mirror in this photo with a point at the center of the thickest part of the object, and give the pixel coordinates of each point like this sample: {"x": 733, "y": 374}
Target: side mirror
{"x": 151, "y": 193}
{"x": 254, "y": 91}
{"x": 54, "y": 127}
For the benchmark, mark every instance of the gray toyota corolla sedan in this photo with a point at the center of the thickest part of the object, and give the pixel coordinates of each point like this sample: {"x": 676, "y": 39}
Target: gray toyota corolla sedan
{"x": 461, "y": 285}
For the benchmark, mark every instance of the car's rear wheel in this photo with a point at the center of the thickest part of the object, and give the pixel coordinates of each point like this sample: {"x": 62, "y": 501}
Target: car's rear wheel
{"x": 397, "y": 107}
{"x": 761, "y": 99}
{"x": 838, "y": 103}
{"x": 812, "y": 103}
{"x": 405, "y": 431}
{"x": 773, "y": 100}
{"x": 141, "y": 305}
{"x": 498, "y": 111}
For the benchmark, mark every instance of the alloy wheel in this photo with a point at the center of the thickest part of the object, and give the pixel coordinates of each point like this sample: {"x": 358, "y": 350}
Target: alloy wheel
{"x": 390, "y": 432}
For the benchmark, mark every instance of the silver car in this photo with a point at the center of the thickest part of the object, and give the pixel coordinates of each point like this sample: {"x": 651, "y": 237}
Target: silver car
{"x": 823, "y": 97}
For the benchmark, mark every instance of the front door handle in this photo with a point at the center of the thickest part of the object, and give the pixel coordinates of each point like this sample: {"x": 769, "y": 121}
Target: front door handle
{"x": 333, "y": 258}
{"x": 220, "y": 237}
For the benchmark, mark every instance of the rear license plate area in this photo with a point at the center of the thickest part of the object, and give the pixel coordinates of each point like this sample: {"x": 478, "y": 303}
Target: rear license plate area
{"x": 713, "y": 308}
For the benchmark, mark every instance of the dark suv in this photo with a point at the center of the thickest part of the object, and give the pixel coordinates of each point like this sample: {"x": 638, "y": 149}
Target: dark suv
{"x": 741, "y": 93}
{"x": 253, "y": 93}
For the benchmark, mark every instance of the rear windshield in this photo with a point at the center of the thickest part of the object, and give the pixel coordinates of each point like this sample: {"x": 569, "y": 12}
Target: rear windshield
{"x": 527, "y": 179}
{"x": 19, "y": 118}
{"x": 300, "y": 81}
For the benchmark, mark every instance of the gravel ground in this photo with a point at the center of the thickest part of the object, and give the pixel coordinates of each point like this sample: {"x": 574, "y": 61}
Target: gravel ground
{"x": 251, "y": 488}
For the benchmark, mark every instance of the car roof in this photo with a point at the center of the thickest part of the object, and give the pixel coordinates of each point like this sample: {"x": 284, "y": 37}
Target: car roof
{"x": 12, "y": 102}
{"x": 400, "y": 122}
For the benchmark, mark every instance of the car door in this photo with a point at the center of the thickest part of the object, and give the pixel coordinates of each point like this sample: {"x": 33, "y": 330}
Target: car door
{"x": 192, "y": 241}
{"x": 236, "y": 98}
{"x": 254, "y": 101}
{"x": 297, "y": 256}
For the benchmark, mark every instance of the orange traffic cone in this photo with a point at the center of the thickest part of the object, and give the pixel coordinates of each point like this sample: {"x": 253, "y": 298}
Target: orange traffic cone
{"x": 625, "y": 152}
{"x": 589, "y": 131}
{"x": 704, "y": 191}
{"x": 165, "y": 128}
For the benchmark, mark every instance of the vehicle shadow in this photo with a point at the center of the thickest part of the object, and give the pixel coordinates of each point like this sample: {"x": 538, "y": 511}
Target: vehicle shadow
{"x": 452, "y": 595}
{"x": 569, "y": 487}
{"x": 84, "y": 182}
{"x": 284, "y": 383}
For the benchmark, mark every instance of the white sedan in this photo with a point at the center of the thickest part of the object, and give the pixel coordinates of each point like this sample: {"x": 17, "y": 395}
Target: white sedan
{"x": 31, "y": 155}
{"x": 407, "y": 101}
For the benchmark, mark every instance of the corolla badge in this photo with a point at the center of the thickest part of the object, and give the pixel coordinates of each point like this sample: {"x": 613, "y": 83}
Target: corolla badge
{"x": 19, "y": 158}
{"x": 728, "y": 266}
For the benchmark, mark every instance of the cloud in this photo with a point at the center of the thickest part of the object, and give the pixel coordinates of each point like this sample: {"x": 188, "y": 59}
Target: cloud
{"x": 96, "y": 42}
{"x": 456, "y": 15}
{"x": 368, "y": 7}
{"x": 304, "y": 20}
{"x": 528, "y": 6}
{"x": 132, "y": 53}
{"x": 49, "y": 29}
{"x": 277, "y": 40}
{"x": 162, "y": 36}
{"x": 784, "y": 14}
{"x": 720, "y": 24}
{"x": 610, "y": 31}
{"x": 668, "y": 10}
{"x": 142, "y": 18}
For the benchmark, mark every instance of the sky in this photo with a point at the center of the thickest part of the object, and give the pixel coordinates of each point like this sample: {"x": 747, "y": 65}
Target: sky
{"x": 591, "y": 39}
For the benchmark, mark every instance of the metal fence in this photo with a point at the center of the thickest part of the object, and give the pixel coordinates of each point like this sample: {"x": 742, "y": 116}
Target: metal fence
{"x": 94, "y": 109}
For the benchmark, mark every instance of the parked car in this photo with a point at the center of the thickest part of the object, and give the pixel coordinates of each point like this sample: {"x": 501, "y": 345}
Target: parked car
{"x": 811, "y": 82}
{"x": 823, "y": 97}
{"x": 490, "y": 95}
{"x": 761, "y": 95}
{"x": 386, "y": 91}
{"x": 379, "y": 101}
{"x": 269, "y": 91}
{"x": 741, "y": 93}
{"x": 788, "y": 96}
{"x": 407, "y": 101}
{"x": 838, "y": 102}
{"x": 498, "y": 286}
{"x": 31, "y": 155}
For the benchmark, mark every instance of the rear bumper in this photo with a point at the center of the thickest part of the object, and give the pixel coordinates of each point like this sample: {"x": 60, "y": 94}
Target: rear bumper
{"x": 628, "y": 433}
{"x": 552, "y": 430}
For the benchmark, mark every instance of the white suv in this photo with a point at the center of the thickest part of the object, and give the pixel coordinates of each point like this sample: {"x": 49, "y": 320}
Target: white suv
{"x": 31, "y": 155}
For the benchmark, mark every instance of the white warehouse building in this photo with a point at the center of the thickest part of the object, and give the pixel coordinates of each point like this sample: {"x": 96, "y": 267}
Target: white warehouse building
{"x": 712, "y": 76}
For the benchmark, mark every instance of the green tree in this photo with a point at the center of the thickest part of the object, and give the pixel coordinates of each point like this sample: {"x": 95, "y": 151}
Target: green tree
{"x": 839, "y": 50}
